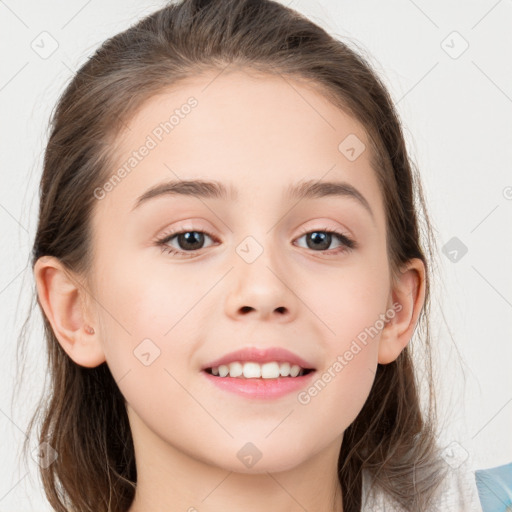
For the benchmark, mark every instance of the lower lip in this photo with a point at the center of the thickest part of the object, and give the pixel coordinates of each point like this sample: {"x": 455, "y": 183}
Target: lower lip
{"x": 260, "y": 388}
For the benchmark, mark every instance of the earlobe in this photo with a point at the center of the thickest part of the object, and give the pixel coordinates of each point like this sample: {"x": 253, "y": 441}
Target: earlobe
{"x": 407, "y": 300}
{"x": 63, "y": 300}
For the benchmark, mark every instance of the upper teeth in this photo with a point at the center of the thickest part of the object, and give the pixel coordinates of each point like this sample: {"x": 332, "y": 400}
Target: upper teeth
{"x": 251, "y": 370}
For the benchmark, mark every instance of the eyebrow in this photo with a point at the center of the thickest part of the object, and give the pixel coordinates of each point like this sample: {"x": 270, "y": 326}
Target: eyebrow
{"x": 311, "y": 189}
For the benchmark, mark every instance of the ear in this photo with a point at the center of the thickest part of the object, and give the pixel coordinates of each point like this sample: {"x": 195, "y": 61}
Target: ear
{"x": 406, "y": 299}
{"x": 63, "y": 299}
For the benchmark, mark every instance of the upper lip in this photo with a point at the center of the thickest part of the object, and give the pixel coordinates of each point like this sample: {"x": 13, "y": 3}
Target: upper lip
{"x": 260, "y": 355}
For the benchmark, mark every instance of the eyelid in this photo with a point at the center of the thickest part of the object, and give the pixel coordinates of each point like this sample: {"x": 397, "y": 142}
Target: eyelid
{"x": 347, "y": 244}
{"x": 163, "y": 237}
{"x": 304, "y": 231}
{"x": 181, "y": 226}
{"x": 312, "y": 229}
{"x": 347, "y": 240}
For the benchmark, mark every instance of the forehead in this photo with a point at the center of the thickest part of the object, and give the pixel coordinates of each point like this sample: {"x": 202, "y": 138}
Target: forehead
{"x": 251, "y": 131}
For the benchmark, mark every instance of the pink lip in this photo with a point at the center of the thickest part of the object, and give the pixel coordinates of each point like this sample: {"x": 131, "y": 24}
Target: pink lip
{"x": 260, "y": 388}
{"x": 280, "y": 355}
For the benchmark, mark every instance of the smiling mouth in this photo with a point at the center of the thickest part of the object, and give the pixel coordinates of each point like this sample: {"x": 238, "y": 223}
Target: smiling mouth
{"x": 253, "y": 370}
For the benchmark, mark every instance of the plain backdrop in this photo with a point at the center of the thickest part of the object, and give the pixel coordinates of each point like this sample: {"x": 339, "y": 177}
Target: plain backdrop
{"x": 447, "y": 66}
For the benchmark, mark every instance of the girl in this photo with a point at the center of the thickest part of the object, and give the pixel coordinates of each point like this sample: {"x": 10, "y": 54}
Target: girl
{"x": 229, "y": 265}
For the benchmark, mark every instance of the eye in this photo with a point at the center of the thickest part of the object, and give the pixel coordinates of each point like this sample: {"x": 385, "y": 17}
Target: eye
{"x": 188, "y": 242}
{"x": 320, "y": 240}
{"x": 191, "y": 241}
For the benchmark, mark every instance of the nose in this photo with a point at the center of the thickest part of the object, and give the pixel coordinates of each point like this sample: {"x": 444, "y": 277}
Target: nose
{"x": 260, "y": 290}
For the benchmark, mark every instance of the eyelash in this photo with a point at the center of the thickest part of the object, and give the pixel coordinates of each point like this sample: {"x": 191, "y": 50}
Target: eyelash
{"x": 348, "y": 244}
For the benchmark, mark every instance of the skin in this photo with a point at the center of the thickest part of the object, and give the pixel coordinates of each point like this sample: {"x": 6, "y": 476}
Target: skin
{"x": 260, "y": 134}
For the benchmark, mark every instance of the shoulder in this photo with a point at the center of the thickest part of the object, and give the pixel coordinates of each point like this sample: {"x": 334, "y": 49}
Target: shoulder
{"x": 457, "y": 493}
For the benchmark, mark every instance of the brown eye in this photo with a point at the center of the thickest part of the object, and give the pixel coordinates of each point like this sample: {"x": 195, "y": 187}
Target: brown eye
{"x": 187, "y": 242}
{"x": 190, "y": 240}
{"x": 321, "y": 240}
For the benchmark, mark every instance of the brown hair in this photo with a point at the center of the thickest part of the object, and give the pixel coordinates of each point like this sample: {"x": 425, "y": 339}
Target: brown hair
{"x": 83, "y": 413}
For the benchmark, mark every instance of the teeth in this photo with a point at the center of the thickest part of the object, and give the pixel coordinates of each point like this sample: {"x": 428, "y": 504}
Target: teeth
{"x": 236, "y": 369}
{"x": 284, "y": 369}
{"x": 294, "y": 370}
{"x": 270, "y": 371}
{"x": 251, "y": 370}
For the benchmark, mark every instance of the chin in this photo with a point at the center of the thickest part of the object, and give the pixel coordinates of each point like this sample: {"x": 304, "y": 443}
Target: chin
{"x": 254, "y": 458}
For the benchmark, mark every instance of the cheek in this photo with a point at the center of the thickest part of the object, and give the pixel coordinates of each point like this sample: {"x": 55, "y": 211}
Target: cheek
{"x": 348, "y": 302}
{"x": 351, "y": 306}
{"x": 341, "y": 387}
{"x": 148, "y": 337}
{"x": 340, "y": 391}
{"x": 148, "y": 299}
{"x": 149, "y": 319}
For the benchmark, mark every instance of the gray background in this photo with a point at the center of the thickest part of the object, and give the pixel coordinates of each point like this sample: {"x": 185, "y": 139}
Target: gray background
{"x": 456, "y": 106}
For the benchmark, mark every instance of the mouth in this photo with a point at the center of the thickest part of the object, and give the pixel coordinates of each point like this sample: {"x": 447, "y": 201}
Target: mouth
{"x": 253, "y": 370}
{"x": 259, "y": 373}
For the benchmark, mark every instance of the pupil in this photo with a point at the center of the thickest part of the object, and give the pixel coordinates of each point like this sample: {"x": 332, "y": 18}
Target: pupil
{"x": 323, "y": 239}
{"x": 187, "y": 242}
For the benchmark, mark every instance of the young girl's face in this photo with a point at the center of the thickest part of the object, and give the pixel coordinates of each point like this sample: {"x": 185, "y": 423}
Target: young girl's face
{"x": 258, "y": 269}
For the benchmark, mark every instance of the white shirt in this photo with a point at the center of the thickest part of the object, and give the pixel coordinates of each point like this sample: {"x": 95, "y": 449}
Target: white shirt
{"x": 458, "y": 493}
